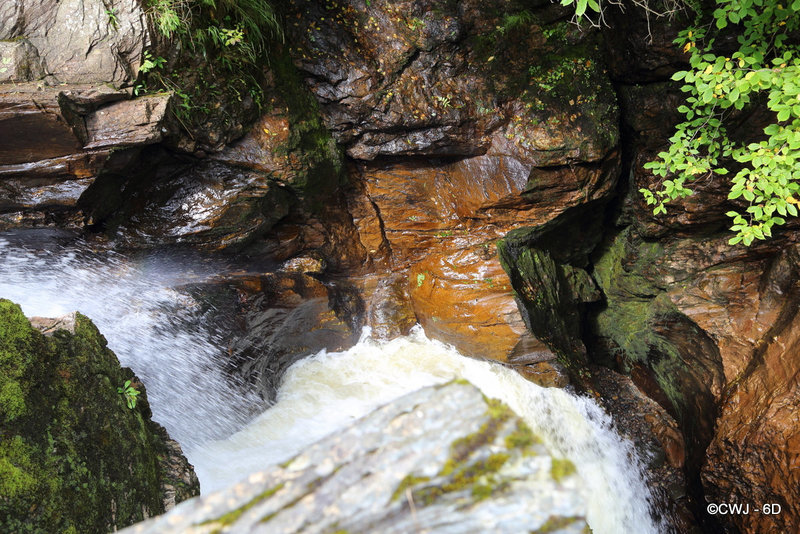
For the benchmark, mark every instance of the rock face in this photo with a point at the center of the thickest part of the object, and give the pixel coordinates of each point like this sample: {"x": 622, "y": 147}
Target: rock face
{"x": 74, "y": 457}
{"x": 704, "y": 328}
{"x": 281, "y": 316}
{"x": 60, "y": 119}
{"x": 455, "y": 164}
{"x": 407, "y": 466}
{"x": 77, "y": 41}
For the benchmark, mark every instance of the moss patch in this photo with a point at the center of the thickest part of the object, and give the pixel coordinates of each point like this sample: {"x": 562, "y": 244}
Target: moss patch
{"x": 522, "y": 437}
{"x": 233, "y": 515}
{"x": 69, "y": 445}
{"x": 556, "y": 523}
{"x": 407, "y": 482}
{"x": 561, "y": 468}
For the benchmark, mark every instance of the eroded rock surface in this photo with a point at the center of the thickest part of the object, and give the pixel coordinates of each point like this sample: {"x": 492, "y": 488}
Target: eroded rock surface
{"x": 74, "y": 41}
{"x": 408, "y": 466}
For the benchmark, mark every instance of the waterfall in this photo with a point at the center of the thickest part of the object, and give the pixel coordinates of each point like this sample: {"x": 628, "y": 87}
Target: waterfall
{"x": 154, "y": 329}
{"x": 161, "y": 334}
{"x": 327, "y": 391}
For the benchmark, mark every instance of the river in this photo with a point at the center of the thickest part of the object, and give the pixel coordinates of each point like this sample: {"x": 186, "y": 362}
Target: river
{"x": 163, "y": 334}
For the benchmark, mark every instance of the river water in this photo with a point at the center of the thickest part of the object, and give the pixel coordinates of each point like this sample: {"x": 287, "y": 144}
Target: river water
{"x": 162, "y": 334}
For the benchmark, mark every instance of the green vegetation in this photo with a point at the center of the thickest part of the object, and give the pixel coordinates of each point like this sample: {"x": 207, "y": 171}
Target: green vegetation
{"x": 407, "y": 482}
{"x": 557, "y": 523}
{"x": 221, "y": 48}
{"x": 765, "y": 65}
{"x": 522, "y": 437}
{"x": 231, "y": 517}
{"x": 130, "y": 393}
{"x": 561, "y": 468}
{"x": 68, "y": 452}
{"x": 763, "y": 70}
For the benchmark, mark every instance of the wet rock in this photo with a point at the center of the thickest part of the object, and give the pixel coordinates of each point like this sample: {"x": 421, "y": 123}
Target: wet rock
{"x": 31, "y": 127}
{"x": 75, "y": 455}
{"x": 127, "y": 123}
{"x": 548, "y": 374}
{"x": 271, "y": 320}
{"x": 206, "y": 204}
{"x": 420, "y": 78}
{"x": 755, "y": 446}
{"x": 407, "y": 466}
{"x": 658, "y": 440}
{"x": 440, "y": 222}
{"x": 55, "y": 142}
{"x": 389, "y": 311}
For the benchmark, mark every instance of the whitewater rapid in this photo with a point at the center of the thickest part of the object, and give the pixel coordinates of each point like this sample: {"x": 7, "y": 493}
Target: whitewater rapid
{"x": 328, "y": 391}
{"x": 161, "y": 334}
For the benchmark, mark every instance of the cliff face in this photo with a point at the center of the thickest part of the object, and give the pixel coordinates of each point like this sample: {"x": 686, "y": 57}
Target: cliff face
{"x": 474, "y": 167}
{"x": 75, "y": 456}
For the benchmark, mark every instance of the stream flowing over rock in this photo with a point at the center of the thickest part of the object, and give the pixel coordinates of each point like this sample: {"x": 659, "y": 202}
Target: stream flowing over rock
{"x": 407, "y": 466}
{"x": 75, "y": 455}
{"x": 470, "y": 166}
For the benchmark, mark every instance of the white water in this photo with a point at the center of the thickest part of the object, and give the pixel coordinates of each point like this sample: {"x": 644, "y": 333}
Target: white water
{"x": 153, "y": 329}
{"x": 325, "y": 392}
{"x": 156, "y": 331}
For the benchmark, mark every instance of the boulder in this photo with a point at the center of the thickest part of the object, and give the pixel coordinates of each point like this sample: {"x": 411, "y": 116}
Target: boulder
{"x": 408, "y": 466}
{"x": 76, "y": 454}
{"x": 75, "y": 41}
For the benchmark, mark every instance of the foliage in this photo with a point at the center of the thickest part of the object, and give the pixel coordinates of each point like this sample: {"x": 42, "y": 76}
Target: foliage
{"x": 227, "y": 41}
{"x": 766, "y": 64}
{"x": 130, "y": 393}
{"x": 764, "y": 68}
{"x": 151, "y": 62}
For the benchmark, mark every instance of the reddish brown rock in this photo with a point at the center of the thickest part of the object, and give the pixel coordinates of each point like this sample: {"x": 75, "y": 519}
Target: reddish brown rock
{"x": 754, "y": 457}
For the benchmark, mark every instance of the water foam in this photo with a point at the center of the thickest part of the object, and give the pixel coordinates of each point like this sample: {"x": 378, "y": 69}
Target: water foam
{"x": 325, "y": 392}
{"x": 158, "y": 332}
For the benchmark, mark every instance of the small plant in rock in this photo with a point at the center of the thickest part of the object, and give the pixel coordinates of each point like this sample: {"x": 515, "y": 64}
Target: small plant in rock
{"x": 130, "y": 393}
{"x": 111, "y": 13}
{"x": 443, "y": 100}
{"x": 151, "y": 63}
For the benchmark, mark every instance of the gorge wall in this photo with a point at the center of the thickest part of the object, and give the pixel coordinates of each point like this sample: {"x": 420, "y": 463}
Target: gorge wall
{"x": 471, "y": 166}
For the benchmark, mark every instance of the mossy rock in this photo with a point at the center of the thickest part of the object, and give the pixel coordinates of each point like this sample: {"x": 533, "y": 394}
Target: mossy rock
{"x": 73, "y": 456}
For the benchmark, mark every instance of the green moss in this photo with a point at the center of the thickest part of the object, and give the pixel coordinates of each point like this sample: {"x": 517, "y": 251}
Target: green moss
{"x": 316, "y": 159}
{"x": 74, "y": 448}
{"x": 17, "y": 468}
{"x": 408, "y": 481}
{"x": 561, "y": 468}
{"x": 17, "y": 341}
{"x": 231, "y": 517}
{"x": 464, "y": 447}
{"x": 522, "y": 437}
{"x": 476, "y": 477}
{"x": 556, "y": 523}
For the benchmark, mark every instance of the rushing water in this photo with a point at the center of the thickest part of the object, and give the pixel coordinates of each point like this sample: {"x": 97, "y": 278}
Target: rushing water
{"x": 154, "y": 329}
{"x": 159, "y": 332}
